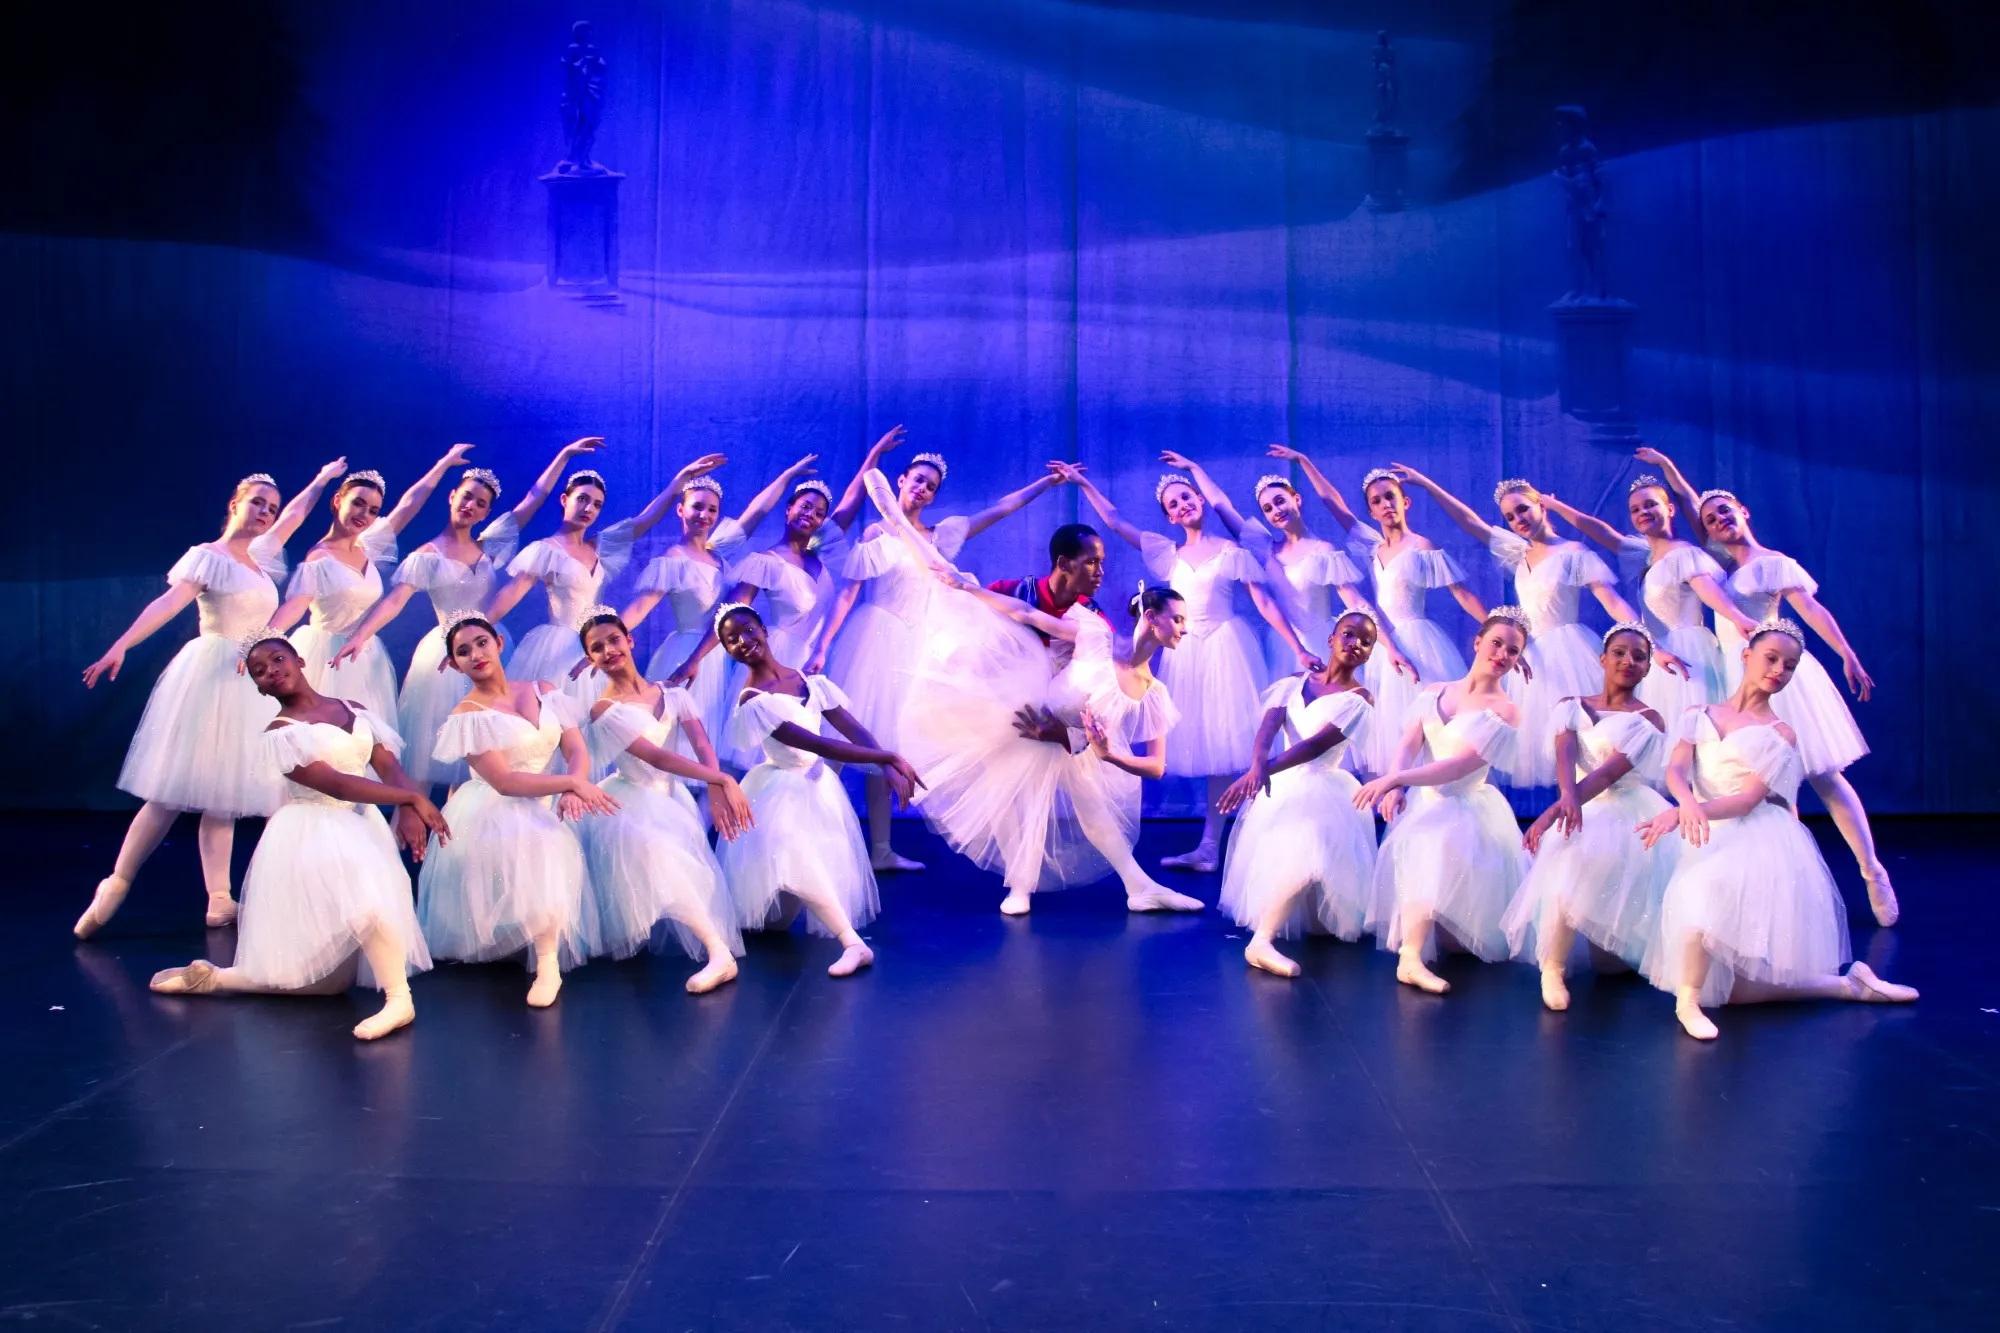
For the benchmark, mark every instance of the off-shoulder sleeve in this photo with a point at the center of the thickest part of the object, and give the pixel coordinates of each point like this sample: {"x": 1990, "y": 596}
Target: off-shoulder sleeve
{"x": 677, "y": 703}
{"x": 1236, "y": 563}
{"x": 1695, "y": 726}
{"x": 767, "y": 571}
{"x": 499, "y": 538}
{"x": 1433, "y": 569}
{"x": 1349, "y": 710}
{"x": 542, "y": 559}
{"x": 421, "y": 569}
{"x": 383, "y": 729}
{"x": 615, "y": 729}
{"x": 1423, "y": 708}
{"x": 1775, "y": 760}
{"x": 950, "y": 536}
{"x": 269, "y": 553}
{"x": 728, "y": 542}
{"x": 1579, "y": 567}
{"x": 294, "y": 745}
{"x": 1497, "y": 741}
{"x": 1507, "y": 548}
{"x": 1567, "y": 715}
{"x": 378, "y": 542}
{"x": 755, "y": 718}
{"x": 1158, "y": 555}
{"x": 1686, "y": 563}
{"x": 1152, "y": 717}
{"x": 463, "y": 735}
{"x": 1773, "y": 573}
{"x": 871, "y": 558}
{"x": 1644, "y": 744}
{"x": 1328, "y": 566}
{"x": 319, "y": 578}
{"x": 566, "y": 710}
{"x": 673, "y": 573}
{"x": 1362, "y": 541}
{"x": 210, "y": 570}
{"x": 825, "y": 695}
{"x": 614, "y": 547}
{"x": 1282, "y": 692}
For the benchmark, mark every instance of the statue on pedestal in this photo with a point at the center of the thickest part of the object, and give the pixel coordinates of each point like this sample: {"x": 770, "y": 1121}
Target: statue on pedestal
{"x": 582, "y": 103}
{"x": 1387, "y": 91}
{"x": 1579, "y": 171}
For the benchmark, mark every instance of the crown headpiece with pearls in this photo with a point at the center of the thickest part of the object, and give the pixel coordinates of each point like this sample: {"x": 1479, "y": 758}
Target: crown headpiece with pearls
{"x": 259, "y": 479}
{"x": 930, "y": 460}
{"x": 1780, "y": 625}
{"x": 598, "y": 612}
{"x": 1514, "y": 616}
{"x": 1361, "y": 611}
{"x": 262, "y": 634}
{"x": 1645, "y": 480}
{"x": 1510, "y": 484}
{"x": 1170, "y": 479}
{"x": 817, "y": 487}
{"x": 704, "y": 482}
{"x": 1627, "y": 627}
{"x": 1274, "y": 479}
{"x": 585, "y": 477}
{"x": 728, "y": 609}
{"x": 1376, "y": 474}
{"x": 485, "y": 477}
{"x": 1716, "y": 493}
{"x": 367, "y": 476}
{"x": 453, "y": 619}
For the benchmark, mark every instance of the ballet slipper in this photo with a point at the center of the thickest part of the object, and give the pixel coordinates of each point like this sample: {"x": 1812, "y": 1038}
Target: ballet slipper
{"x": 1160, "y": 898}
{"x": 1555, "y": 991}
{"x": 396, "y": 1012}
{"x": 1881, "y": 895}
{"x": 1693, "y": 1021}
{"x": 1867, "y": 988}
{"x": 885, "y": 860}
{"x": 548, "y": 983}
{"x": 110, "y": 894}
{"x": 852, "y": 959}
{"x": 197, "y": 978}
{"x": 1015, "y": 904}
{"x": 1261, "y": 954}
{"x": 221, "y": 911}
{"x": 721, "y": 969}
{"x": 1200, "y": 860}
{"x": 1412, "y": 971}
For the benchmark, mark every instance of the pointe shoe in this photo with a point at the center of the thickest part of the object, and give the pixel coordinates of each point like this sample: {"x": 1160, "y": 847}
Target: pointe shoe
{"x": 1412, "y": 971}
{"x": 720, "y": 971}
{"x": 1160, "y": 898}
{"x": 221, "y": 911}
{"x": 1693, "y": 1021}
{"x": 547, "y": 985}
{"x": 197, "y": 978}
{"x": 1882, "y": 895}
{"x": 1200, "y": 860}
{"x": 396, "y": 1012}
{"x": 110, "y": 894}
{"x": 885, "y": 860}
{"x": 1868, "y": 988}
{"x": 852, "y": 959}
{"x": 1264, "y": 956}
{"x": 1015, "y": 904}
{"x": 1555, "y": 990}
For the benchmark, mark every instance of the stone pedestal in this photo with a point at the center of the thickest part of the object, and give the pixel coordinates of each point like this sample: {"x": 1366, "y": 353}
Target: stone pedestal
{"x": 1388, "y": 170}
{"x": 1596, "y": 339}
{"x": 583, "y": 234}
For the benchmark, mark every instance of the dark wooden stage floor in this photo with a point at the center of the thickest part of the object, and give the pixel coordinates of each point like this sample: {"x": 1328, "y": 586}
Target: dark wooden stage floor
{"x": 1080, "y": 1120}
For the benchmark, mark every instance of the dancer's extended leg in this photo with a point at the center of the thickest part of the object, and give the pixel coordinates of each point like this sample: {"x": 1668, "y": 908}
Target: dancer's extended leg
{"x": 1142, "y": 892}
{"x": 215, "y": 838}
{"x": 1844, "y": 804}
{"x": 826, "y": 909}
{"x": 142, "y": 838}
{"x": 880, "y": 808}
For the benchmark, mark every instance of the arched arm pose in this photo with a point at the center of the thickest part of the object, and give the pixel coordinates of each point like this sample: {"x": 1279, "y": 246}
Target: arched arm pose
{"x": 1328, "y": 493}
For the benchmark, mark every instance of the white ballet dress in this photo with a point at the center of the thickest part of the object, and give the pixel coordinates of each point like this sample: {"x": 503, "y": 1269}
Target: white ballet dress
{"x": 796, "y": 603}
{"x": 1455, "y": 851}
{"x": 1757, "y": 894}
{"x": 340, "y": 598}
{"x": 1303, "y": 841}
{"x": 431, "y": 688}
{"x": 1305, "y": 578}
{"x": 1675, "y": 614}
{"x": 806, "y": 836}
{"x": 1401, "y": 584}
{"x": 1811, "y": 703}
{"x": 199, "y": 743}
{"x": 1563, "y": 653}
{"x": 1216, "y": 673}
{"x": 326, "y": 872}
{"x": 550, "y": 650}
{"x": 651, "y": 871}
{"x": 513, "y": 870}
{"x": 1602, "y": 879}
{"x": 690, "y": 590}
{"x": 883, "y": 634}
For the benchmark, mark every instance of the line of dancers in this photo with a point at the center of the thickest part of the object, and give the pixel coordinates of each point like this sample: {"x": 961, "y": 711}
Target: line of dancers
{"x": 1012, "y": 715}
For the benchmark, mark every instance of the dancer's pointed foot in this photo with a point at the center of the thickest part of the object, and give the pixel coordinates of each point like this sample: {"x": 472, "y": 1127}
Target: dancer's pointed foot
{"x": 197, "y": 978}
{"x": 1160, "y": 898}
{"x": 1868, "y": 988}
{"x": 1200, "y": 860}
{"x": 1693, "y": 1021}
{"x": 221, "y": 910}
{"x": 547, "y": 985}
{"x": 396, "y": 1012}
{"x": 1016, "y": 904}
{"x": 1261, "y": 954}
{"x": 721, "y": 969}
{"x": 1411, "y": 970}
{"x": 886, "y": 861}
{"x": 1555, "y": 991}
{"x": 1881, "y": 895}
{"x": 852, "y": 959}
{"x": 110, "y": 893}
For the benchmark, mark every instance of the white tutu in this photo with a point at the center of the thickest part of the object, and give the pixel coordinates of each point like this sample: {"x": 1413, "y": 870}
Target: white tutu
{"x": 196, "y": 746}
{"x": 1676, "y": 615}
{"x": 883, "y": 637}
{"x": 1454, "y": 854}
{"x": 430, "y": 691}
{"x": 1438, "y": 662}
{"x": 548, "y": 652}
{"x": 512, "y": 869}
{"x": 370, "y": 679}
{"x": 1305, "y": 834}
{"x": 795, "y": 604}
{"x": 1670, "y": 695}
{"x": 1216, "y": 674}
{"x": 1563, "y": 654}
{"x": 806, "y": 836}
{"x": 325, "y": 873}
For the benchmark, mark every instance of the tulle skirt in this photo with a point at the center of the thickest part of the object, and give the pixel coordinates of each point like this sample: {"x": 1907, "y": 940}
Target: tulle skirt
{"x": 322, "y": 878}
{"x": 1601, "y": 878}
{"x": 551, "y": 652}
{"x": 431, "y": 689}
{"x": 708, "y": 688}
{"x": 1455, "y": 856}
{"x": 1829, "y": 739}
{"x": 806, "y": 838}
{"x": 651, "y": 872}
{"x": 369, "y": 680}
{"x": 198, "y": 742}
{"x": 1304, "y": 835}
{"x": 511, "y": 871}
{"x": 1760, "y": 899}
{"x": 871, "y": 662}
{"x": 1216, "y": 678}
{"x": 1566, "y": 665}
{"x": 1436, "y": 659}
{"x": 1707, "y": 682}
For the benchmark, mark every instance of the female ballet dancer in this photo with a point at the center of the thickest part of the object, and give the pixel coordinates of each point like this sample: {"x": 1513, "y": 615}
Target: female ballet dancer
{"x": 572, "y": 569}
{"x": 1452, "y": 862}
{"x": 1676, "y": 579}
{"x": 1592, "y": 875}
{"x": 456, "y": 571}
{"x": 340, "y": 580}
{"x": 197, "y": 744}
{"x": 650, "y": 864}
{"x": 1216, "y": 675}
{"x": 511, "y": 878}
{"x": 688, "y": 575}
{"x": 326, "y": 901}
{"x": 1751, "y": 914}
{"x": 805, "y": 843}
{"x": 1761, "y": 580}
{"x": 1548, "y": 574}
{"x": 873, "y": 644}
{"x": 1303, "y": 857}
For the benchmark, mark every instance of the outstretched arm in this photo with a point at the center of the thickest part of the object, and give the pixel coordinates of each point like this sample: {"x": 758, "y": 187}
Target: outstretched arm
{"x": 1011, "y": 502}
{"x": 849, "y": 507}
{"x": 157, "y": 613}
{"x": 1590, "y": 525}
{"x": 860, "y": 747}
{"x": 1014, "y": 609}
{"x": 1106, "y": 511}
{"x": 380, "y": 614}
{"x": 1717, "y": 598}
{"x": 1218, "y": 499}
{"x": 508, "y": 597}
{"x": 1267, "y": 606}
{"x": 545, "y": 485}
{"x": 1329, "y": 494}
{"x": 1456, "y": 509}
{"x": 649, "y": 517}
{"x": 1682, "y": 487}
{"x": 820, "y": 642}
{"x": 767, "y": 499}
{"x": 296, "y": 509}
{"x": 1466, "y": 599}
{"x": 1823, "y": 623}
{"x": 289, "y": 612}
{"x": 420, "y": 491}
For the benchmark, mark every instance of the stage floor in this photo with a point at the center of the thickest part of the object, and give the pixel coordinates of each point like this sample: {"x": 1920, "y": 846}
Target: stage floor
{"x": 1078, "y": 1120}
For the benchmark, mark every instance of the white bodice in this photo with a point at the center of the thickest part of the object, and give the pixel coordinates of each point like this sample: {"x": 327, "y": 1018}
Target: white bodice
{"x": 894, "y": 580}
{"x": 572, "y": 585}
{"x": 1208, "y": 590}
{"x": 1090, "y": 680}
{"x": 1667, "y": 587}
{"x": 1628, "y": 734}
{"x": 690, "y": 588}
{"x": 523, "y": 746}
{"x": 1349, "y": 710}
{"x": 760, "y": 713}
{"x": 1307, "y": 577}
{"x": 233, "y": 598}
{"x": 1761, "y": 582}
{"x": 1405, "y": 578}
{"x": 1725, "y": 765}
{"x": 343, "y": 750}
{"x": 1548, "y": 592}
{"x": 1477, "y": 730}
{"x": 621, "y": 724}
{"x": 453, "y": 586}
